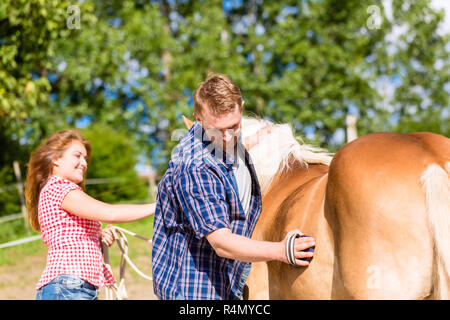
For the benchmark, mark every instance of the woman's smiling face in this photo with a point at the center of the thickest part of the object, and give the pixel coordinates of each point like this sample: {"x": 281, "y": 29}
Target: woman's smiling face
{"x": 72, "y": 164}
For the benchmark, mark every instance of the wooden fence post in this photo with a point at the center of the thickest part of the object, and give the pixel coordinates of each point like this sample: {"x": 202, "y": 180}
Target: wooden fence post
{"x": 352, "y": 132}
{"x": 23, "y": 206}
{"x": 151, "y": 182}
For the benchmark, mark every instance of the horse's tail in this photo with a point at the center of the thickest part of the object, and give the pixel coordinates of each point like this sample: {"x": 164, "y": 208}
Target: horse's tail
{"x": 436, "y": 183}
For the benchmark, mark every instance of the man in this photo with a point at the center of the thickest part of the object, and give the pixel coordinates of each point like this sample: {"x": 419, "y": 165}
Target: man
{"x": 208, "y": 203}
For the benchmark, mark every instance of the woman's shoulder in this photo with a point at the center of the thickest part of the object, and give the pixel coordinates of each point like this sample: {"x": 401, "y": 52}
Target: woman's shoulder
{"x": 56, "y": 184}
{"x": 55, "y": 191}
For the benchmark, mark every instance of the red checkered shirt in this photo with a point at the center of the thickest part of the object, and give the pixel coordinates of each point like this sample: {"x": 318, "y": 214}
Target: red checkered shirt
{"x": 73, "y": 242}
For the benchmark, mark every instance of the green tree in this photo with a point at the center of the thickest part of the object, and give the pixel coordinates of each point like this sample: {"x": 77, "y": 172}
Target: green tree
{"x": 114, "y": 157}
{"x": 134, "y": 65}
{"x": 29, "y": 34}
{"x": 11, "y": 151}
{"x": 422, "y": 59}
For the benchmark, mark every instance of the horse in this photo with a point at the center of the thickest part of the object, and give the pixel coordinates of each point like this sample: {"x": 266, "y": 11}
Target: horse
{"x": 379, "y": 210}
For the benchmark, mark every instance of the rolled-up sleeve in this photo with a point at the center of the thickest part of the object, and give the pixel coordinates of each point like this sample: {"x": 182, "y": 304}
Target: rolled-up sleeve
{"x": 202, "y": 198}
{"x": 61, "y": 189}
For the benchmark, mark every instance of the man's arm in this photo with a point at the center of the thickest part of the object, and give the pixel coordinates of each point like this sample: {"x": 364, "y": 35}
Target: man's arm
{"x": 233, "y": 246}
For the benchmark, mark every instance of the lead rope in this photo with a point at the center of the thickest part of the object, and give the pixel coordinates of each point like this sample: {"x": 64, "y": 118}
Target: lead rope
{"x": 122, "y": 242}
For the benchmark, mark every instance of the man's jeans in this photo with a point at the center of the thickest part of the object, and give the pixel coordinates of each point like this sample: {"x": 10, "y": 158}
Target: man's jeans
{"x": 242, "y": 281}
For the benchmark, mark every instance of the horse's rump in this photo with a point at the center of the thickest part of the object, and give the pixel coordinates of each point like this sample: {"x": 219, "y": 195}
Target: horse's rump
{"x": 382, "y": 231}
{"x": 382, "y": 218}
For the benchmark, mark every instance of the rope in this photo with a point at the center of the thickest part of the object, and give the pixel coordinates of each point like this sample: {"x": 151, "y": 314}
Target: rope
{"x": 122, "y": 242}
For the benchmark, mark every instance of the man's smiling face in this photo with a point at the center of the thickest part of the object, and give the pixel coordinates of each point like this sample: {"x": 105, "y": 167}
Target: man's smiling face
{"x": 224, "y": 129}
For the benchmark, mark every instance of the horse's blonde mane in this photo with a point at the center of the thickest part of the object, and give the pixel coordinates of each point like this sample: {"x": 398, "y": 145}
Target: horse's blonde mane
{"x": 275, "y": 151}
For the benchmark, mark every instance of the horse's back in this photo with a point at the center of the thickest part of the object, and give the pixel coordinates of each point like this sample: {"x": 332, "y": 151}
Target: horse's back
{"x": 377, "y": 210}
{"x": 398, "y": 154}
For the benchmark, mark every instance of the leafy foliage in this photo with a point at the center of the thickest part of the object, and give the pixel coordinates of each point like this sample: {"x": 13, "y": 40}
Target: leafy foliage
{"x": 134, "y": 65}
{"x": 114, "y": 157}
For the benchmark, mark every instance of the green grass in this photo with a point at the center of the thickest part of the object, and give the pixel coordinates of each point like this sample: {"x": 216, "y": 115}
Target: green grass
{"x": 20, "y": 253}
{"x": 14, "y": 230}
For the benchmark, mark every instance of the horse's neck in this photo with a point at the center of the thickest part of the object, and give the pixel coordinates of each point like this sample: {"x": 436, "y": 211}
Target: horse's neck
{"x": 293, "y": 196}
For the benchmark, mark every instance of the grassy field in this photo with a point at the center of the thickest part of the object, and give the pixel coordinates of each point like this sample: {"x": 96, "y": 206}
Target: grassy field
{"x": 21, "y": 266}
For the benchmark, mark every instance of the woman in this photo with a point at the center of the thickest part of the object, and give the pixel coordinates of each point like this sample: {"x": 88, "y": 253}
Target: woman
{"x": 70, "y": 220}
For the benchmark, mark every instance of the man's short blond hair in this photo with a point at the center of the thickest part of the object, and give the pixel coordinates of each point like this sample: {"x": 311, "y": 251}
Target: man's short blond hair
{"x": 219, "y": 94}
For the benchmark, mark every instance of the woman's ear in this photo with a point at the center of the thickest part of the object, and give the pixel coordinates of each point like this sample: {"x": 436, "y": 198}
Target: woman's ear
{"x": 55, "y": 162}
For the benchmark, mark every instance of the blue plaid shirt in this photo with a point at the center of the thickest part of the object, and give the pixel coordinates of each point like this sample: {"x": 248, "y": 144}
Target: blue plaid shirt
{"x": 197, "y": 195}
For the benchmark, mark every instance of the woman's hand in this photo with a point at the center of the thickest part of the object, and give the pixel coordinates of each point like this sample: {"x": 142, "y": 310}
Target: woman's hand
{"x": 107, "y": 236}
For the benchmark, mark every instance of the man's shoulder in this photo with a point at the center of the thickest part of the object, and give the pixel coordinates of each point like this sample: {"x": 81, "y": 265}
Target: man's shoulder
{"x": 189, "y": 149}
{"x": 190, "y": 155}
{"x": 184, "y": 164}
{"x": 185, "y": 172}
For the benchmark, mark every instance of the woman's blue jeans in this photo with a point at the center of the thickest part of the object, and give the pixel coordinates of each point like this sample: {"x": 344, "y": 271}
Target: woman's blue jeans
{"x": 67, "y": 287}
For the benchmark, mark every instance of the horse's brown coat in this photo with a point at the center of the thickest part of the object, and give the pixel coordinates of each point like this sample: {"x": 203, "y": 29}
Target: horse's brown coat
{"x": 368, "y": 214}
